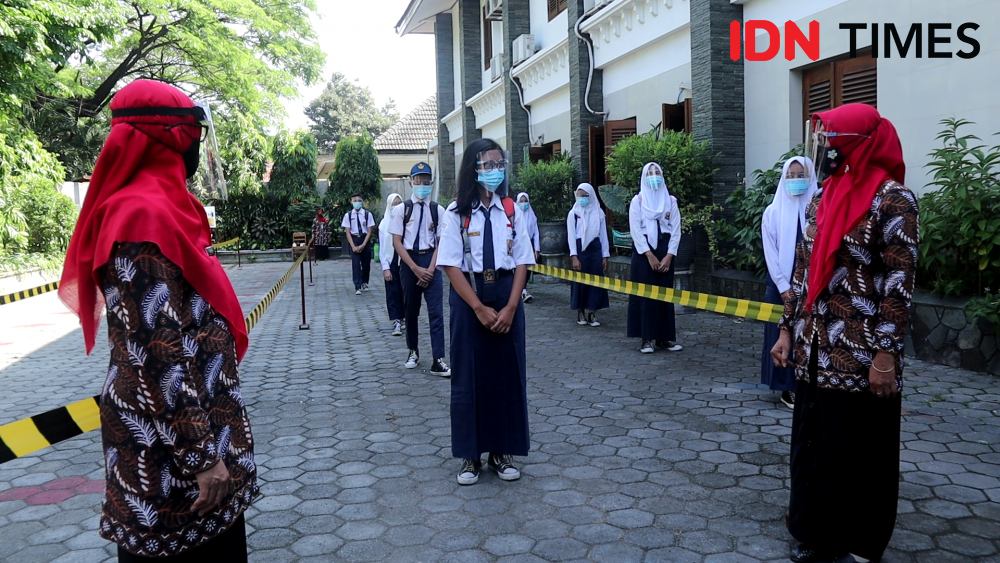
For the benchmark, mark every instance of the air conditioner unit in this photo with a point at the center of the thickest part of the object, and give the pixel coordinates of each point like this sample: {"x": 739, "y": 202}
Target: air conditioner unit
{"x": 593, "y": 5}
{"x": 524, "y": 47}
{"x": 496, "y": 67}
{"x": 494, "y": 10}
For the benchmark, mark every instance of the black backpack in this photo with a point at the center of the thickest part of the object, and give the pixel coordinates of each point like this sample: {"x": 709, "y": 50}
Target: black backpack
{"x": 408, "y": 211}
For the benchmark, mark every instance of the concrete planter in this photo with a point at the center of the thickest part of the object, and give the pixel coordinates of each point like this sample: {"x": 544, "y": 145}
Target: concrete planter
{"x": 741, "y": 285}
{"x": 553, "y": 238}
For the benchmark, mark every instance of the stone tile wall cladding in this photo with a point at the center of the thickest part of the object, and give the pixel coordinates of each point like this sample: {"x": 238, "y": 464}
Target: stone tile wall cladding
{"x": 939, "y": 330}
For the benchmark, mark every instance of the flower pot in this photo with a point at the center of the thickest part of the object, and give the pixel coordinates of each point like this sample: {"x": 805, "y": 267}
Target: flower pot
{"x": 685, "y": 251}
{"x": 553, "y": 237}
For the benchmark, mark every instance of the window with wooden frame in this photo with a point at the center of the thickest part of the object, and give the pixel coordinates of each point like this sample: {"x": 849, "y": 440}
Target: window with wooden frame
{"x": 840, "y": 81}
{"x": 602, "y": 138}
{"x": 677, "y": 117}
{"x": 487, "y": 40}
{"x": 557, "y": 7}
{"x": 545, "y": 152}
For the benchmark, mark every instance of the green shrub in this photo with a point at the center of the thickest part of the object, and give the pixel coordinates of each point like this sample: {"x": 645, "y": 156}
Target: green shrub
{"x": 960, "y": 230}
{"x": 549, "y": 183}
{"x": 294, "y": 172}
{"x": 749, "y": 203}
{"x": 355, "y": 170}
{"x": 50, "y": 217}
{"x": 686, "y": 163}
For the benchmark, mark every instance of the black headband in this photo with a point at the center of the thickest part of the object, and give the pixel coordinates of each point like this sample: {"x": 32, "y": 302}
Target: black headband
{"x": 197, "y": 111}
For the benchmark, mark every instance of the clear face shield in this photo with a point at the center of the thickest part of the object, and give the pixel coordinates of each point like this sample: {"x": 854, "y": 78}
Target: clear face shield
{"x": 827, "y": 159}
{"x": 652, "y": 177}
{"x": 210, "y": 180}
{"x": 421, "y": 185}
{"x": 492, "y": 170}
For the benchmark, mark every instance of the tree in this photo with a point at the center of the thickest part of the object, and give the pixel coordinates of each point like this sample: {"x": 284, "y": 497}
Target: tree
{"x": 294, "y": 172}
{"x": 345, "y": 109}
{"x": 355, "y": 170}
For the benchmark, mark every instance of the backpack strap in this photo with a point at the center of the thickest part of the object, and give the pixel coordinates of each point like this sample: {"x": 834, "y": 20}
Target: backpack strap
{"x": 434, "y": 217}
{"x": 407, "y": 212}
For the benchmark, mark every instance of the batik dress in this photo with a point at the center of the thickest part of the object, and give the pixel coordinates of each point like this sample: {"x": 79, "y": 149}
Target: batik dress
{"x": 170, "y": 408}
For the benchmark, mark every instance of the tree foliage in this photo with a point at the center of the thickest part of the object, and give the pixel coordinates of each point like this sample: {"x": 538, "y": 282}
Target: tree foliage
{"x": 294, "y": 172}
{"x": 356, "y": 170}
{"x": 346, "y": 109}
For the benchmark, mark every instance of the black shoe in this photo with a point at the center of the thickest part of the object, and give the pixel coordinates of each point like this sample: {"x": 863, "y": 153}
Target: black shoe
{"x": 441, "y": 368}
{"x": 504, "y": 468}
{"x": 788, "y": 398}
{"x": 469, "y": 473}
{"x": 806, "y": 554}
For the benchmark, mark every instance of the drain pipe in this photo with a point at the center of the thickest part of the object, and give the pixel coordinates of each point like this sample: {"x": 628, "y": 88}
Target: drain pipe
{"x": 590, "y": 73}
{"x": 520, "y": 97}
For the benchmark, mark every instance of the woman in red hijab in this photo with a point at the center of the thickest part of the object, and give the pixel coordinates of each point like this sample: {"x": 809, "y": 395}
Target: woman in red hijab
{"x": 177, "y": 442}
{"x": 321, "y": 236}
{"x": 853, "y": 283}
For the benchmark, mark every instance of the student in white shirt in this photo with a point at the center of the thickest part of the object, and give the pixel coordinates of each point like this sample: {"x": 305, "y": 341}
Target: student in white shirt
{"x": 359, "y": 224}
{"x": 655, "y": 225}
{"x": 781, "y": 228}
{"x": 587, "y": 233}
{"x": 415, "y": 235}
{"x": 524, "y": 202}
{"x": 489, "y": 408}
{"x": 390, "y": 267}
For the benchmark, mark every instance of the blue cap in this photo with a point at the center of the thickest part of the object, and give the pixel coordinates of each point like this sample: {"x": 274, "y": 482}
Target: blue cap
{"x": 420, "y": 168}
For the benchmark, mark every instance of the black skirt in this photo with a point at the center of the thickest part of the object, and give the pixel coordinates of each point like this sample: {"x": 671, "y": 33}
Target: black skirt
{"x": 489, "y": 401}
{"x": 649, "y": 319}
{"x": 777, "y": 379}
{"x": 583, "y": 296}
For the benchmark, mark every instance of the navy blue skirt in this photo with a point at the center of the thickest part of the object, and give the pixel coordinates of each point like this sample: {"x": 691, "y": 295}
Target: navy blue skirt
{"x": 394, "y": 293}
{"x": 649, "y": 319}
{"x": 583, "y": 296}
{"x": 778, "y": 379}
{"x": 489, "y": 400}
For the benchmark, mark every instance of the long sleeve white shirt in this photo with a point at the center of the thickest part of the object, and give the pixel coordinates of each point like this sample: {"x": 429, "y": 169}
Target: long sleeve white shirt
{"x": 670, "y": 224}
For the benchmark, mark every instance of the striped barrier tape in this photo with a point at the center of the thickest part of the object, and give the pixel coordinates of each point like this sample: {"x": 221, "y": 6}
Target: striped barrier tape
{"x": 28, "y": 435}
{"x": 726, "y": 305}
{"x": 42, "y": 289}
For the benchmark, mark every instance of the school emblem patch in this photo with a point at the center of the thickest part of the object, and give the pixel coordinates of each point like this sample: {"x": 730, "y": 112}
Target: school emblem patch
{"x": 510, "y": 247}
{"x": 489, "y": 276}
{"x": 667, "y": 216}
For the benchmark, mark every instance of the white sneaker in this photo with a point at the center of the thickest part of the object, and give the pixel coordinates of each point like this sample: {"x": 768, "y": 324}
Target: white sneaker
{"x": 397, "y": 328}
{"x": 581, "y": 318}
{"x": 526, "y": 297}
{"x": 412, "y": 359}
{"x": 357, "y": 292}
{"x": 364, "y": 287}
{"x": 592, "y": 319}
{"x": 647, "y": 347}
{"x": 674, "y": 347}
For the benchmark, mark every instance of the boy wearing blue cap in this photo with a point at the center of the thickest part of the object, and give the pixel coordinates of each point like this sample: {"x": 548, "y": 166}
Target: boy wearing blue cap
{"x": 414, "y": 230}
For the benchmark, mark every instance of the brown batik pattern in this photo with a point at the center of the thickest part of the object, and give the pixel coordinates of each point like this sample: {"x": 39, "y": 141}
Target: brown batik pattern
{"x": 865, "y": 307}
{"x": 170, "y": 408}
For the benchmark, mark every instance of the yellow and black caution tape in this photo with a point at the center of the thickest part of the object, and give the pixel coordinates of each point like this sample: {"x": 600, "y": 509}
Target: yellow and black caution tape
{"x": 726, "y": 305}
{"x": 42, "y": 289}
{"x": 29, "y": 435}
{"x": 22, "y": 295}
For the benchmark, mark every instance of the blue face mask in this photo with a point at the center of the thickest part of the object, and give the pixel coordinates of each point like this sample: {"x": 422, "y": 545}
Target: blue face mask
{"x": 796, "y": 186}
{"x": 583, "y": 201}
{"x": 524, "y": 205}
{"x": 421, "y": 191}
{"x": 655, "y": 182}
{"x": 491, "y": 179}
{"x": 358, "y": 204}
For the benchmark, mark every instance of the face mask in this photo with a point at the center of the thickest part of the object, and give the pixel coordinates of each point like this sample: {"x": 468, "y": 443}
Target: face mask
{"x": 796, "y": 186}
{"x": 358, "y": 204}
{"x": 524, "y": 206}
{"x": 655, "y": 182}
{"x": 832, "y": 162}
{"x": 192, "y": 157}
{"x": 491, "y": 179}
{"x": 583, "y": 201}
{"x": 421, "y": 191}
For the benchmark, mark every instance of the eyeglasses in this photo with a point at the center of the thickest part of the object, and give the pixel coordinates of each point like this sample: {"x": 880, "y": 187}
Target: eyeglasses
{"x": 489, "y": 165}
{"x": 820, "y": 136}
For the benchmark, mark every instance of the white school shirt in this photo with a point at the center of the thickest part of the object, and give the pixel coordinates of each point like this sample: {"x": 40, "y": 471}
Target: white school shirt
{"x": 428, "y": 239}
{"x": 571, "y": 221}
{"x": 386, "y": 252}
{"x": 670, "y": 223}
{"x": 511, "y": 245}
{"x": 769, "y": 238}
{"x": 362, "y": 217}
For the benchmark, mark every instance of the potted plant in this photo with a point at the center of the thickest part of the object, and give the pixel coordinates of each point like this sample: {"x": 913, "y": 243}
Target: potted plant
{"x": 687, "y": 169}
{"x": 549, "y": 183}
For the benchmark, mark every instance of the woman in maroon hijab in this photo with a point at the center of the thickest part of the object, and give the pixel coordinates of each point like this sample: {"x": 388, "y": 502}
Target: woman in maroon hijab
{"x": 177, "y": 442}
{"x": 853, "y": 283}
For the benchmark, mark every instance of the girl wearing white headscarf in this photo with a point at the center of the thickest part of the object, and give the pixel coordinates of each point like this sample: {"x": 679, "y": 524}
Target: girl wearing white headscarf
{"x": 587, "y": 232}
{"x": 781, "y": 227}
{"x": 655, "y": 225}
{"x": 390, "y": 267}
{"x": 524, "y": 202}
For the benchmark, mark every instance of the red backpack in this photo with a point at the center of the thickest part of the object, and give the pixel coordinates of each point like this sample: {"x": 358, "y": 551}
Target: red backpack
{"x": 508, "y": 208}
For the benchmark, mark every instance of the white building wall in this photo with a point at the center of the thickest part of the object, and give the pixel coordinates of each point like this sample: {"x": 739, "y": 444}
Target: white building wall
{"x": 915, "y": 94}
{"x": 550, "y": 118}
{"x": 547, "y": 33}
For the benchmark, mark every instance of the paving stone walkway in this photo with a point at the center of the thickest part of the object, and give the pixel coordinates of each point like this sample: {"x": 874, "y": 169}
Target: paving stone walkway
{"x": 664, "y": 458}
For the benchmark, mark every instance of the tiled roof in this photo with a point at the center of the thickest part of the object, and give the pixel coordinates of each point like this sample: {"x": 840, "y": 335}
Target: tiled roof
{"x": 413, "y": 131}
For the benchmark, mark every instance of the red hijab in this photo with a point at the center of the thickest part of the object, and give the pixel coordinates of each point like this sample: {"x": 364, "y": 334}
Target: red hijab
{"x": 319, "y": 216}
{"x": 138, "y": 193}
{"x": 847, "y": 196}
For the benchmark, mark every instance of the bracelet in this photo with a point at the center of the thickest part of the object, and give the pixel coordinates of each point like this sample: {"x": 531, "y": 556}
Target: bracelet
{"x": 883, "y": 371}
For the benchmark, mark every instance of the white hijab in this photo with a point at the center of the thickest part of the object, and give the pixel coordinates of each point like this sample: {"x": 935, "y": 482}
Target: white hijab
{"x": 591, "y": 217}
{"x": 654, "y": 203}
{"x": 787, "y": 209}
{"x": 383, "y": 226}
{"x": 530, "y": 219}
